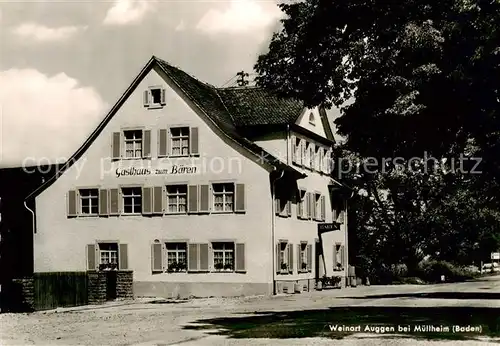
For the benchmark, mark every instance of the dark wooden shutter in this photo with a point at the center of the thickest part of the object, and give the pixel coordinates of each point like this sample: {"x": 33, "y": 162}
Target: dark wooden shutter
{"x": 323, "y": 208}
{"x": 147, "y": 200}
{"x": 290, "y": 258}
{"x": 309, "y": 257}
{"x": 314, "y": 209}
{"x": 114, "y": 202}
{"x": 91, "y": 257}
{"x": 146, "y": 99}
{"x": 342, "y": 254}
{"x": 240, "y": 258}
{"x": 240, "y": 198}
{"x": 308, "y": 204}
{"x": 163, "y": 100}
{"x": 169, "y": 144}
{"x": 193, "y": 198}
{"x": 158, "y": 200}
{"x": 123, "y": 256}
{"x": 72, "y": 203}
{"x": 299, "y": 258}
{"x": 162, "y": 142}
{"x": 157, "y": 257}
{"x": 193, "y": 141}
{"x": 193, "y": 257}
{"x": 116, "y": 146}
{"x": 203, "y": 253}
{"x": 334, "y": 256}
{"x": 204, "y": 199}
{"x": 103, "y": 202}
{"x": 294, "y": 149}
{"x": 146, "y": 143}
{"x": 278, "y": 262}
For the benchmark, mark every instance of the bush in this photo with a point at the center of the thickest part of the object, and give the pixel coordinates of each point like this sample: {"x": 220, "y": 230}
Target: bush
{"x": 431, "y": 271}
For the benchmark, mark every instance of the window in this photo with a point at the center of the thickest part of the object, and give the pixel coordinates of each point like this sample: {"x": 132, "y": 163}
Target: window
{"x": 177, "y": 198}
{"x": 133, "y": 143}
{"x": 89, "y": 201}
{"x": 223, "y": 197}
{"x": 338, "y": 257}
{"x": 301, "y": 204}
{"x": 317, "y": 206}
{"x": 176, "y": 257}
{"x": 132, "y": 200}
{"x": 307, "y": 154}
{"x": 312, "y": 156}
{"x": 303, "y": 257}
{"x": 297, "y": 150}
{"x": 320, "y": 160}
{"x": 311, "y": 119}
{"x": 223, "y": 256}
{"x": 156, "y": 95}
{"x": 283, "y": 256}
{"x": 179, "y": 141}
{"x": 108, "y": 256}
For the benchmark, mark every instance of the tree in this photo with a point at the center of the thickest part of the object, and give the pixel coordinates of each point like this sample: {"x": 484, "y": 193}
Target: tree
{"x": 423, "y": 75}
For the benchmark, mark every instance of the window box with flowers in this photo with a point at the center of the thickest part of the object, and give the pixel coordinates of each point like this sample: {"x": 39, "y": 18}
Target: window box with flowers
{"x": 284, "y": 268}
{"x": 221, "y": 267}
{"x": 338, "y": 268}
{"x": 108, "y": 266}
{"x": 176, "y": 267}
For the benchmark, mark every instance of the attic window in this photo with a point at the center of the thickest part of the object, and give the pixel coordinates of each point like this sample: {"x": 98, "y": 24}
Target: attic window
{"x": 154, "y": 97}
{"x": 311, "y": 119}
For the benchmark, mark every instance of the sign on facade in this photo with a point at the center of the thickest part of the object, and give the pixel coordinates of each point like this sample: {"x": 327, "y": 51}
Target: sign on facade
{"x": 323, "y": 227}
{"x": 495, "y": 255}
{"x": 172, "y": 170}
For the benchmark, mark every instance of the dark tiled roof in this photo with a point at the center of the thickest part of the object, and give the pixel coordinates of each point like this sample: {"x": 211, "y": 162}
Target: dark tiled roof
{"x": 207, "y": 97}
{"x": 255, "y": 106}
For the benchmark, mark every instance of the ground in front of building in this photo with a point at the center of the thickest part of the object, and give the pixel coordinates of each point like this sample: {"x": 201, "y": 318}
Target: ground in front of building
{"x": 296, "y": 319}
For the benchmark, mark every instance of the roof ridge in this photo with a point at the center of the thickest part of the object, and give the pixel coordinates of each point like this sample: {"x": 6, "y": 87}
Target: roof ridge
{"x": 187, "y": 73}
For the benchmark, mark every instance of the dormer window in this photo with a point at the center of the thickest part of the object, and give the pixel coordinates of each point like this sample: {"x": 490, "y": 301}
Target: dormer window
{"x": 311, "y": 119}
{"x": 154, "y": 97}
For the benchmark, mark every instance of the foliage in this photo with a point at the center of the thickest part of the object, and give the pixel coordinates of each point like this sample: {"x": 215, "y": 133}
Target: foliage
{"x": 330, "y": 281}
{"x": 431, "y": 271}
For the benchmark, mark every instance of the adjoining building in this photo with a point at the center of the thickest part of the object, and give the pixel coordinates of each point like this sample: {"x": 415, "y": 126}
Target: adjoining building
{"x": 200, "y": 191}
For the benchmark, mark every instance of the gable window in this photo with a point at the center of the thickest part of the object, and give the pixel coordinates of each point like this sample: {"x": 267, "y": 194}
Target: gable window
{"x": 176, "y": 257}
{"x": 311, "y": 119}
{"x": 223, "y": 254}
{"x": 89, "y": 201}
{"x": 177, "y": 198}
{"x": 154, "y": 97}
{"x": 133, "y": 143}
{"x": 179, "y": 141}
{"x": 223, "y": 197}
{"x": 108, "y": 256}
{"x": 132, "y": 200}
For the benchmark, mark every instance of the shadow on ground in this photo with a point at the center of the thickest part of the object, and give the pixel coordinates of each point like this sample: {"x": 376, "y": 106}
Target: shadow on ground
{"x": 433, "y": 295}
{"x": 316, "y": 323}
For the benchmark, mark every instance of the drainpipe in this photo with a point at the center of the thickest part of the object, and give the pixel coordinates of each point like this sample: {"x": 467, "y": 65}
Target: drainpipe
{"x": 273, "y": 227}
{"x": 32, "y": 217}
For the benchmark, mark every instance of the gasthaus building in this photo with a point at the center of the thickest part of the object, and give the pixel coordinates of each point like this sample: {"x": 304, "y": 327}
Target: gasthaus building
{"x": 200, "y": 191}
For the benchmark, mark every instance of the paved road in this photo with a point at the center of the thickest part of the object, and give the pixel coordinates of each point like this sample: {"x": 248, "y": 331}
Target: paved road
{"x": 146, "y": 323}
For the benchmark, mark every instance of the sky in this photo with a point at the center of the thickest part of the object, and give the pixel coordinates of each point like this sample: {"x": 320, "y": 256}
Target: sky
{"x": 64, "y": 63}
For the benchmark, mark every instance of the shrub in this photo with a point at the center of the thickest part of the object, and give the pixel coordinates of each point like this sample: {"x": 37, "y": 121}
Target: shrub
{"x": 431, "y": 271}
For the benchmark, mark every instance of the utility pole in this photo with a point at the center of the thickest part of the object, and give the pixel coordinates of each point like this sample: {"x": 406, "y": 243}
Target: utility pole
{"x": 241, "y": 80}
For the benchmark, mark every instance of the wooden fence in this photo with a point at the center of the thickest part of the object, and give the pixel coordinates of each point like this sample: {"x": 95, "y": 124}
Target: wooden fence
{"x": 59, "y": 289}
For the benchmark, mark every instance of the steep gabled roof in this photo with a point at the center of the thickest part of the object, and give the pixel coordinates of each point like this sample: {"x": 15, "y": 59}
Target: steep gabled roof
{"x": 204, "y": 96}
{"x": 255, "y": 106}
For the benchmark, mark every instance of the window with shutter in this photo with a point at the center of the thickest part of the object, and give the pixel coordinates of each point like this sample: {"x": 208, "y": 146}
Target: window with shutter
{"x": 240, "y": 198}
{"x": 179, "y": 141}
{"x": 194, "y": 141}
{"x": 177, "y": 198}
{"x": 116, "y": 143}
{"x": 157, "y": 257}
{"x": 240, "y": 263}
{"x": 108, "y": 256}
{"x": 72, "y": 203}
{"x": 146, "y": 135}
{"x": 176, "y": 257}
{"x": 290, "y": 258}
{"x": 155, "y": 95}
{"x": 309, "y": 257}
{"x": 193, "y": 198}
{"x": 147, "y": 200}
{"x": 114, "y": 202}
{"x": 283, "y": 257}
{"x": 103, "y": 202}
{"x": 323, "y": 208}
{"x": 162, "y": 143}
{"x": 193, "y": 257}
{"x": 123, "y": 256}
{"x": 223, "y": 256}
{"x": 158, "y": 200}
{"x": 223, "y": 197}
